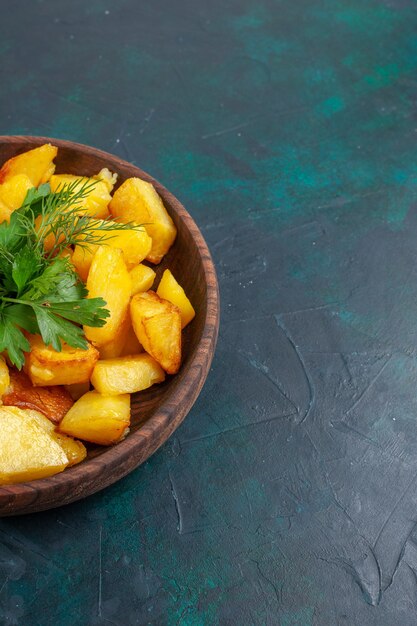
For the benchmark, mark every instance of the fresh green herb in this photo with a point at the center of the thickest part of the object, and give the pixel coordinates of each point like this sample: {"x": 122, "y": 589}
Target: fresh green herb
{"x": 57, "y": 216}
{"x": 39, "y": 290}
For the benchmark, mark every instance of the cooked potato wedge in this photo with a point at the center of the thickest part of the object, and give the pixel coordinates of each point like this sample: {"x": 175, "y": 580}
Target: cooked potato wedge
{"x": 150, "y": 303}
{"x": 127, "y": 374}
{"x": 137, "y": 201}
{"x": 14, "y": 190}
{"x": 162, "y": 338}
{"x": 97, "y": 200}
{"x": 37, "y": 164}
{"x": 142, "y": 278}
{"x": 172, "y": 291}
{"x": 40, "y": 419}
{"x": 100, "y": 419}
{"x": 134, "y": 244}
{"x": 27, "y": 451}
{"x": 46, "y": 366}
{"x": 53, "y": 401}
{"x": 109, "y": 279}
{"x": 74, "y": 450}
{"x": 157, "y": 324}
{"x": 107, "y": 177}
{"x": 4, "y": 377}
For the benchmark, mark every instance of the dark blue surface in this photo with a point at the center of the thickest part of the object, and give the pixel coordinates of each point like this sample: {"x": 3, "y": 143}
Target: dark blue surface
{"x": 288, "y": 129}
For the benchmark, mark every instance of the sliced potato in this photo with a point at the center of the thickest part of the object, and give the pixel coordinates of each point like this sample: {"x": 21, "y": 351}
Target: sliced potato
{"x": 162, "y": 338}
{"x": 137, "y": 201}
{"x": 27, "y": 451}
{"x": 37, "y": 164}
{"x": 127, "y": 374}
{"x": 81, "y": 259}
{"x": 109, "y": 279}
{"x": 135, "y": 245}
{"x": 150, "y": 303}
{"x": 74, "y": 450}
{"x": 14, "y": 190}
{"x": 97, "y": 418}
{"x": 157, "y": 324}
{"x": 4, "y": 377}
{"x": 109, "y": 178}
{"x": 172, "y": 291}
{"x": 96, "y": 201}
{"x": 40, "y": 419}
{"x": 46, "y": 366}
{"x": 142, "y": 278}
{"x": 53, "y": 401}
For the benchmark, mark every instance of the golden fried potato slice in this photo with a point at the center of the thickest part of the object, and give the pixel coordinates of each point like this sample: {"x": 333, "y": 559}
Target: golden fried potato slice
{"x": 14, "y": 190}
{"x": 172, "y": 291}
{"x": 97, "y": 418}
{"x": 97, "y": 199}
{"x": 127, "y": 374}
{"x": 37, "y": 164}
{"x": 109, "y": 279}
{"x": 53, "y": 401}
{"x": 157, "y": 324}
{"x": 27, "y": 451}
{"x": 142, "y": 278}
{"x": 4, "y": 377}
{"x": 46, "y": 366}
{"x": 137, "y": 201}
{"x": 74, "y": 450}
{"x": 107, "y": 177}
{"x": 162, "y": 336}
{"x": 134, "y": 244}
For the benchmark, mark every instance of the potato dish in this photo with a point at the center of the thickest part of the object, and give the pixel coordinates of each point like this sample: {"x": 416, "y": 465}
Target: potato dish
{"x": 82, "y": 326}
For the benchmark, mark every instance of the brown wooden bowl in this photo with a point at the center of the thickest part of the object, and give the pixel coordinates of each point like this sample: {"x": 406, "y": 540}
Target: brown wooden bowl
{"x": 157, "y": 412}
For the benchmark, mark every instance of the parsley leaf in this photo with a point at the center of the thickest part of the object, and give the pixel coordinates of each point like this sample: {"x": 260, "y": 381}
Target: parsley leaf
{"x": 90, "y": 312}
{"x": 35, "y": 198}
{"x": 12, "y": 339}
{"x": 25, "y": 265}
{"x": 54, "y": 328}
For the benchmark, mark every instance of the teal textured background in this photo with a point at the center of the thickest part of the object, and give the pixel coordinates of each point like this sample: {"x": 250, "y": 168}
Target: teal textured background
{"x": 288, "y": 130}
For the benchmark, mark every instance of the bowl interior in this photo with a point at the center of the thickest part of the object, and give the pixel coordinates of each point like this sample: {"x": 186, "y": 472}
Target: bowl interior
{"x": 158, "y": 411}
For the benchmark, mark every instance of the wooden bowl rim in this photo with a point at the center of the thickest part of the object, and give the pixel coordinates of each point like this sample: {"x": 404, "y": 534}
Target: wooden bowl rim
{"x": 81, "y": 479}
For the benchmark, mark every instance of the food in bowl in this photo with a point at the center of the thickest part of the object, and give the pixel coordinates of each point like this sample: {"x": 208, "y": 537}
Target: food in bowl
{"x": 77, "y": 310}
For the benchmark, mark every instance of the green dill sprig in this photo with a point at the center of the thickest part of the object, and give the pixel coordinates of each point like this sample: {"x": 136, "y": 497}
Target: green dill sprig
{"x": 58, "y": 217}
